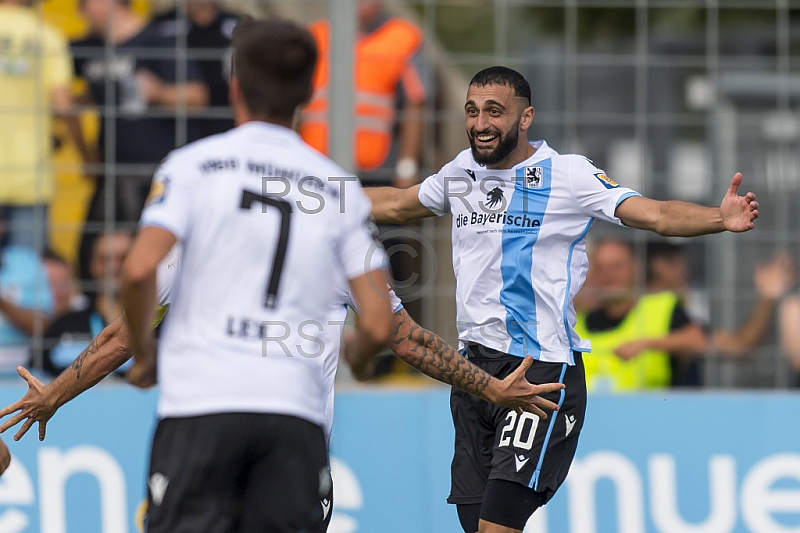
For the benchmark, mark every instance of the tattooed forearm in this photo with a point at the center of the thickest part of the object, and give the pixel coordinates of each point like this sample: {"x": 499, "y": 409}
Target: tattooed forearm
{"x": 431, "y": 355}
{"x": 77, "y": 364}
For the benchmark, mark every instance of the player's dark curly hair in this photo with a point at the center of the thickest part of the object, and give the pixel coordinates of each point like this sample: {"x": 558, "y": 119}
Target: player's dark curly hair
{"x": 274, "y": 61}
{"x": 498, "y": 75}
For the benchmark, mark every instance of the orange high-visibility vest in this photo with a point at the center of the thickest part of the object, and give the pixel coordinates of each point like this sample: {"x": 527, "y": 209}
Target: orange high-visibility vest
{"x": 380, "y": 60}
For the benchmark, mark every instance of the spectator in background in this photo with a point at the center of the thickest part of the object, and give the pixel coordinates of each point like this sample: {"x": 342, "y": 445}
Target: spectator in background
{"x": 387, "y": 79}
{"x": 145, "y": 86}
{"x": 668, "y": 270}
{"x": 208, "y": 29}
{"x": 35, "y": 77}
{"x": 789, "y": 331}
{"x": 25, "y": 302}
{"x": 634, "y": 336}
{"x": 69, "y": 335}
{"x": 63, "y": 285}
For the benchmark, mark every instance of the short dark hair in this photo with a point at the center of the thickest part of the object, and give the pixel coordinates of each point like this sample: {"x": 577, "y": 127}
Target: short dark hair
{"x": 274, "y": 61}
{"x": 503, "y": 76}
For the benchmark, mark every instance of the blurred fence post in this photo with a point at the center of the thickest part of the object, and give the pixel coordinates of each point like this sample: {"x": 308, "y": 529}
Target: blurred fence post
{"x": 341, "y": 104}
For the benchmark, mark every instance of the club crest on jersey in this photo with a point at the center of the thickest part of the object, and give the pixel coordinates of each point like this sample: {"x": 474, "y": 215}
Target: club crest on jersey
{"x": 494, "y": 197}
{"x": 533, "y": 177}
{"x": 606, "y": 181}
{"x": 158, "y": 191}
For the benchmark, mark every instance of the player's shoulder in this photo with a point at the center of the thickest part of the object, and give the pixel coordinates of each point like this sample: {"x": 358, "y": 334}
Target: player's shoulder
{"x": 202, "y": 150}
{"x": 463, "y": 160}
{"x": 322, "y": 165}
{"x": 576, "y": 165}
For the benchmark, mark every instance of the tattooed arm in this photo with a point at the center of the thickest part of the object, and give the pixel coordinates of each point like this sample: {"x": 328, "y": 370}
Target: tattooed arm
{"x": 107, "y": 352}
{"x": 431, "y": 355}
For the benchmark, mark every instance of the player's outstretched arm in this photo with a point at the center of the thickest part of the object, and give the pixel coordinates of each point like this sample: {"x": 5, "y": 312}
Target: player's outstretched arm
{"x": 374, "y": 326}
{"x": 396, "y": 206}
{"x": 107, "y": 352}
{"x": 683, "y": 219}
{"x": 139, "y": 299}
{"x": 431, "y": 355}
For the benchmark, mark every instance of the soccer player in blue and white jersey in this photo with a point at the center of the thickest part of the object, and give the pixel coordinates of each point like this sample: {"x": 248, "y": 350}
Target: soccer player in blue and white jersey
{"x": 521, "y": 212}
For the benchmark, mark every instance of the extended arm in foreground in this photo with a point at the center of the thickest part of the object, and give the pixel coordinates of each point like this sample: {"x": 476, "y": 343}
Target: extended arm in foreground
{"x": 430, "y": 354}
{"x": 107, "y": 352}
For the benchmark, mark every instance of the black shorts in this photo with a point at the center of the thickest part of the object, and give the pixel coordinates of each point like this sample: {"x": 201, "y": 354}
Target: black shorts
{"x": 493, "y": 442}
{"x": 244, "y": 472}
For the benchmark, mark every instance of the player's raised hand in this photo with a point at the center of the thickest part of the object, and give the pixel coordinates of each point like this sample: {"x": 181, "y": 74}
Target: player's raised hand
{"x": 516, "y": 392}
{"x": 36, "y": 406}
{"x": 738, "y": 212}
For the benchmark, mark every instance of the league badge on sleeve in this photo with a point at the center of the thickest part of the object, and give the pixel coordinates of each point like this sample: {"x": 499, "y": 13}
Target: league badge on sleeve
{"x": 158, "y": 190}
{"x": 607, "y": 182}
{"x": 533, "y": 177}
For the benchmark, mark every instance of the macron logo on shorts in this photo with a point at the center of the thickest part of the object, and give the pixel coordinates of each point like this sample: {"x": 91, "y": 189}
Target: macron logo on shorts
{"x": 158, "y": 487}
{"x": 326, "y": 508}
{"x": 570, "y": 421}
{"x": 520, "y": 460}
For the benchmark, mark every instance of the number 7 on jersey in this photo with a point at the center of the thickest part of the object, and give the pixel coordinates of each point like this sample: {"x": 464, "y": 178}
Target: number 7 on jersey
{"x": 285, "y": 210}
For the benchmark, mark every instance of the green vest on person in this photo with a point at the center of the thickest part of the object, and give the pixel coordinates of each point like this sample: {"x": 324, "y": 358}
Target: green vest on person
{"x": 651, "y": 317}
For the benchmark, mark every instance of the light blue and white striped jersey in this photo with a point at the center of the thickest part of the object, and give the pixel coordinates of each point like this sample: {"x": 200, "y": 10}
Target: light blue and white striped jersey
{"x": 519, "y": 246}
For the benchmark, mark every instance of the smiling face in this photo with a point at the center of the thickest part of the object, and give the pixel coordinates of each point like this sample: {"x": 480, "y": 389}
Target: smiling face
{"x": 497, "y": 122}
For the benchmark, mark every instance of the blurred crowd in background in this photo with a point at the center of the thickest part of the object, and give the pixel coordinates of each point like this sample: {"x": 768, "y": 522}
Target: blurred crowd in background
{"x": 669, "y": 97}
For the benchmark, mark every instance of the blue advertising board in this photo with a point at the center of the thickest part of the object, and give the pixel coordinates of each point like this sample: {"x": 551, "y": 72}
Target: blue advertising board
{"x": 667, "y": 463}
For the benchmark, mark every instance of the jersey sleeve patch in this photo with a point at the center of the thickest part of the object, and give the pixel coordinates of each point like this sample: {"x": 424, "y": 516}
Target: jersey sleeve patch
{"x": 607, "y": 182}
{"x": 158, "y": 191}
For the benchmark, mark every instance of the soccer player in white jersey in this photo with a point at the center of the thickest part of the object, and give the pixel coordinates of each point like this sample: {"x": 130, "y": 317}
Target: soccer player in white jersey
{"x": 411, "y": 343}
{"x": 521, "y": 212}
{"x": 241, "y": 386}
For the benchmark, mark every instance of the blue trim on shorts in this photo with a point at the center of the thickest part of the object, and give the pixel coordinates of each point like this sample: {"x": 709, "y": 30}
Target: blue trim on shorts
{"x": 534, "y": 484}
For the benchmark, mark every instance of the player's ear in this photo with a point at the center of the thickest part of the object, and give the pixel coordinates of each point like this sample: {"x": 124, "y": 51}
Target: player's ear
{"x": 526, "y": 119}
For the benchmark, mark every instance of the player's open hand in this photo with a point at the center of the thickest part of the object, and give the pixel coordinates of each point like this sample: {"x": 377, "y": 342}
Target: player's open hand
{"x": 142, "y": 373}
{"x": 360, "y": 366}
{"x": 520, "y": 394}
{"x": 738, "y": 212}
{"x": 36, "y": 406}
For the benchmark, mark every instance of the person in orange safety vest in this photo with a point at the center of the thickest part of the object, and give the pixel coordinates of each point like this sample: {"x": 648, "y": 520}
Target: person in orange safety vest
{"x": 387, "y": 81}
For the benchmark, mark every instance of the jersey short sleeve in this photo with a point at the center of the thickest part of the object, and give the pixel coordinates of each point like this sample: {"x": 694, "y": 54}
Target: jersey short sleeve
{"x": 169, "y": 202}
{"x": 165, "y": 276}
{"x": 433, "y": 192}
{"x": 597, "y": 194}
{"x": 394, "y": 302}
{"x": 358, "y": 250}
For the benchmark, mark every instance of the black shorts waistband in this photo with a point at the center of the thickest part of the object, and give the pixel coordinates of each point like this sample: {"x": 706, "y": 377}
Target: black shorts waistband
{"x": 479, "y": 352}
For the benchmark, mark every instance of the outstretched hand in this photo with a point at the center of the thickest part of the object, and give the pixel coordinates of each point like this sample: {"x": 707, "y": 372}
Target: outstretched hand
{"x": 519, "y": 394}
{"x": 35, "y": 406}
{"x": 738, "y": 212}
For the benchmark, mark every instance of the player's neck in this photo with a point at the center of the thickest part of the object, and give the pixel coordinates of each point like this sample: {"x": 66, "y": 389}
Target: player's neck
{"x": 242, "y": 115}
{"x": 522, "y": 152}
